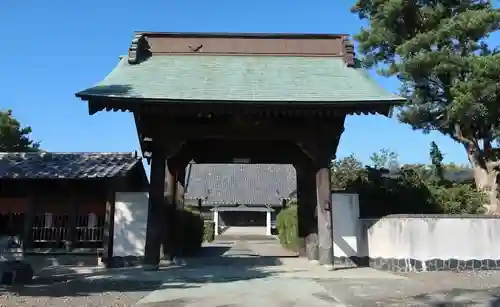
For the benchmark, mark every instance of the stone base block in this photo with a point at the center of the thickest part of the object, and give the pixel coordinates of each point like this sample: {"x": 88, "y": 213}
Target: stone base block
{"x": 351, "y": 261}
{"x": 413, "y": 265}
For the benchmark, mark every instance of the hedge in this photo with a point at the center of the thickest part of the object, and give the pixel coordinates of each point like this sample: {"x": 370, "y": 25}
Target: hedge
{"x": 209, "y": 231}
{"x": 192, "y": 230}
{"x": 287, "y": 227}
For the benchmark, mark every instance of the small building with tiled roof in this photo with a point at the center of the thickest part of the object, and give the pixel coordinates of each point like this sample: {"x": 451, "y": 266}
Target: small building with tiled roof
{"x": 64, "y": 201}
{"x": 239, "y": 194}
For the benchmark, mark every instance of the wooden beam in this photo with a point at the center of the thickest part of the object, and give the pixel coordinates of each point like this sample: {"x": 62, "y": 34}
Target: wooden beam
{"x": 269, "y": 109}
{"x": 225, "y": 151}
{"x": 257, "y": 130}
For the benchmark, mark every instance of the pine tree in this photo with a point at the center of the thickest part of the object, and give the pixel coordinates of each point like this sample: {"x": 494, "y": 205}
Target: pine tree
{"x": 438, "y": 50}
{"x": 13, "y": 137}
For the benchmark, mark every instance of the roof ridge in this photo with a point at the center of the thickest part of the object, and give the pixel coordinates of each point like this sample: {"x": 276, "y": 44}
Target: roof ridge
{"x": 42, "y": 154}
{"x": 245, "y": 34}
{"x": 69, "y": 152}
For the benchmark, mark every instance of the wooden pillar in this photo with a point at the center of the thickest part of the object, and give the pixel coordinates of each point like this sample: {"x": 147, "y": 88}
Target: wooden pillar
{"x": 155, "y": 221}
{"x": 181, "y": 182}
{"x": 109, "y": 228}
{"x": 321, "y": 150}
{"x": 174, "y": 196}
{"x": 324, "y": 213}
{"x": 169, "y": 215}
{"x": 180, "y": 179}
{"x": 73, "y": 219}
{"x": 306, "y": 202}
{"x": 29, "y": 219}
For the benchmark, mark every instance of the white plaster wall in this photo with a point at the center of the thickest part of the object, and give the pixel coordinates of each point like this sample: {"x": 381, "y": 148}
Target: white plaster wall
{"x": 424, "y": 238}
{"x": 131, "y": 213}
{"x": 345, "y": 216}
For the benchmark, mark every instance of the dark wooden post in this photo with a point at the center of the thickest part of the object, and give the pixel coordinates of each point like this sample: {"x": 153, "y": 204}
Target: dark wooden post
{"x": 155, "y": 220}
{"x": 324, "y": 209}
{"x": 306, "y": 202}
{"x": 72, "y": 216}
{"x": 181, "y": 181}
{"x": 29, "y": 219}
{"x": 169, "y": 239}
{"x": 109, "y": 227}
{"x": 321, "y": 150}
{"x": 174, "y": 195}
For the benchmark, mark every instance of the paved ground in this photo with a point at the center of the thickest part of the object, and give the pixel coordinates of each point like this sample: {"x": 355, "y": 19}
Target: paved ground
{"x": 245, "y": 230}
{"x": 256, "y": 272}
{"x": 425, "y": 289}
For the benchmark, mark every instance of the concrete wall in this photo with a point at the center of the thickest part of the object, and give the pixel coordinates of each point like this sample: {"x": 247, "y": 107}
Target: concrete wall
{"x": 131, "y": 213}
{"x": 439, "y": 242}
{"x": 413, "y": 242}
{"x": 345, "y": 215}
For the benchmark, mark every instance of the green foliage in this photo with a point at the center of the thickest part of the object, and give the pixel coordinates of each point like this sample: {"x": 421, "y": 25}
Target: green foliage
{"x": 413, "y": 190}
{"x": 437, "y": 161}
{"x": 438, "y": 50}
{"x": 192, "y": 232}
{"x": 384, "y": 159}
{"x": 458, "y": 198}
{"x": 13, "y": 137}
{"x": 287, "y": 227}
{"x": 454, "y": 167}
{"x": 209, "y": 231}
{"x": 346, "y": 171}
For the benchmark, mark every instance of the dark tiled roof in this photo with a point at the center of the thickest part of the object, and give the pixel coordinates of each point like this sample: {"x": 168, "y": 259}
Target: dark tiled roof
{"x": 46, "y": 165}
{"x": 459, "y": 175}
{"x": 248, "y": 184}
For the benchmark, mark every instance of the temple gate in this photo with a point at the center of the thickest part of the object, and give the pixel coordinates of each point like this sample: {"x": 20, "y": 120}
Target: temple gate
{"x": 222, "y": 98}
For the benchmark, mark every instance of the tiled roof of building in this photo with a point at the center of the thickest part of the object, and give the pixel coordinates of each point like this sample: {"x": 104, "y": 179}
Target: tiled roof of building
{"x": 271, "y": 79}
{"x": 244, "y": 184}
{"x": 47, "y": 165}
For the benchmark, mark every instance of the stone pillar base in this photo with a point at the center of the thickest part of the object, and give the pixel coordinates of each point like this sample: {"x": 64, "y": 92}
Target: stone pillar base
{"x": 326, "y": 256}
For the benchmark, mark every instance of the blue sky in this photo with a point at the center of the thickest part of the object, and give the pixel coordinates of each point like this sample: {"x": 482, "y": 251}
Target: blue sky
{"x": 52, "y": 49}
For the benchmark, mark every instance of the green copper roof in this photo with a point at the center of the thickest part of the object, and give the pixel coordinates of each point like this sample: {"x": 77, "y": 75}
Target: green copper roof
{"x": 241, "y": 78}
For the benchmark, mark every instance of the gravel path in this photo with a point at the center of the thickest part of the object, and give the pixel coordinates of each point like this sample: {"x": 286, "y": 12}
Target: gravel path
{"x": 77, "y": 292}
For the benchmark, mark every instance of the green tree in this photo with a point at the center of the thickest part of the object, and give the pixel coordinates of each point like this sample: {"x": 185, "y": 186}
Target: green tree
{"x": 437, "y": 161}
{"x": 438, "y": 50}
{"x": 385, "y": 158}
{"x": 455, "y": 167}
{"x": 14, "y": 137}
{"x": 345, "y": 171}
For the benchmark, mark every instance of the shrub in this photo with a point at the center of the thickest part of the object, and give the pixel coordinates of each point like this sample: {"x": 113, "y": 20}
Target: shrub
{"x": 458, "y": 198}
{"x": 287, "y": 226}
{"x": 192, "y": 230}
{"x": 209, "y": 231}
{"x": 415, "y": 189}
